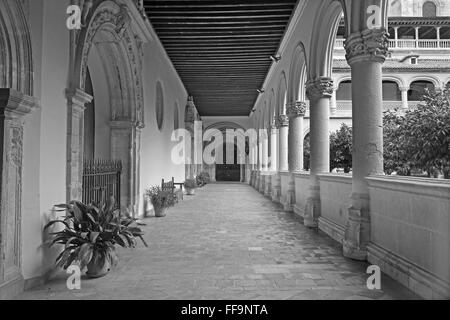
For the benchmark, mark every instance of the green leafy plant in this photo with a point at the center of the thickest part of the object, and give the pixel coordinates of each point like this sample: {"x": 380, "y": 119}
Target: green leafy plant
{"x": 203, "y": 179}
{"x": 190, "y": 184}
{"x": 160, "y": 198}
{"x": 91, "y": 233}
{"x": 341, "y": 148}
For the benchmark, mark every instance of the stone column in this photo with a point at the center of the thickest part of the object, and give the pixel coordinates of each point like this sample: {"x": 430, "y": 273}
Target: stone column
{"x": 396, "y": 36}
{"x": 13, "y": 108}
{"x": 260, "y": 154}
{"x": 283, "y": 127}
{"x": 404, "y": 91}
{"x": 366, "y": 52}
{"x": 265, "y": 152}
{"x": 273, "y": 148}
{"x": 296, "y": 112}
{"x": 125, "y": 141}
{"x": 417, "y": 37}
{"x": 76, "y": 100}
{"x": 319, "y": 92}
{"x": 333, "y": 102}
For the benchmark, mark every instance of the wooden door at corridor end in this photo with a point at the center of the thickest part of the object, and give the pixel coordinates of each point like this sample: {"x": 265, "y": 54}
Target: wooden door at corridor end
{"x": 228, "y": 172}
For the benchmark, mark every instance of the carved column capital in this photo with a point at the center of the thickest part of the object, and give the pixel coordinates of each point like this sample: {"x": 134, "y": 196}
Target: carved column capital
{"x": 319, "y": 88}
{"x": 296, "y": 109}
{"x": 282, "y": 121}
{"x": 77, "y": 99}
{"x": 14, "y": 104}
{"x": 368, "y": 45}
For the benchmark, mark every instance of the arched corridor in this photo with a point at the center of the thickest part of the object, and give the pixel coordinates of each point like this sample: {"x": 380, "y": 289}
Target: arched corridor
{"x": 134, "y": 105}
{"x": 229, "y": 242}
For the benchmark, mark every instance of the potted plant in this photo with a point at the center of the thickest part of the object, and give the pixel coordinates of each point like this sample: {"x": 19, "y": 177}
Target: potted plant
{"x": 90, "y": 236}
{"x": 203, "y": 179}
{"x": 190, "y": 186}
{"x": 161, "y": 200}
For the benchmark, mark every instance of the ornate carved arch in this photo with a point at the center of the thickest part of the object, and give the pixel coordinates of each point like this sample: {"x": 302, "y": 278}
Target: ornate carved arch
{"x": 16, "y": 60}
{"x": 297, "y": 74}
{"x": 281, "y": 94}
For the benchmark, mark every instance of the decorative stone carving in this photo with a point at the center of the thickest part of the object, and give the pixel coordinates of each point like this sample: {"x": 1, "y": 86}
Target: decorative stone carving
{"x": 283, "y": 121}
{"x": 319, "y": 88}
{"x": 369, "y": 45}
{"x": 87, "y": 6}
{"x": 296, "y": 109}
{"x": 13, "y": 107}
{"x": 122, "y": 20}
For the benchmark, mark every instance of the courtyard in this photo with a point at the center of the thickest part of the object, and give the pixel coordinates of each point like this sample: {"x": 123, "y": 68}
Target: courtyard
{"x": 229, "y": 242}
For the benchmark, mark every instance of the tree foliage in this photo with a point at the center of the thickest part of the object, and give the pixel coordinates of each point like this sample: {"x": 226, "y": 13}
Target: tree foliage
{"x": 341, "y": 148}
{"x": 419, "y": 139}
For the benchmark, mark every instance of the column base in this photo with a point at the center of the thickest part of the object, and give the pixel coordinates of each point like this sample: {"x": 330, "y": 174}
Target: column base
{"x": 276, "y": 189}
{"x": 309, "y": 219}
{"x": 312, "y": 210}
{"x": 268, "y": 186}
{"x": 357, "y": 235}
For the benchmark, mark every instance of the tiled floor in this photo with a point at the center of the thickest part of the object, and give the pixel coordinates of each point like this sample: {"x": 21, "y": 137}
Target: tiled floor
{"x": 229, "y": 242}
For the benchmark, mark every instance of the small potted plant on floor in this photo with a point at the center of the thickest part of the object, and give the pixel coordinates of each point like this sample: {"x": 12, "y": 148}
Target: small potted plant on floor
{"x": 90, "y": 236}
{"x": 161, "y": 200}
{"x": 203, "y": 179}
{"x": 190, "y": 185}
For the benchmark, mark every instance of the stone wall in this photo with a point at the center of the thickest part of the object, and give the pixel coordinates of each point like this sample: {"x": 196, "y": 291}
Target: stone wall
{"x": 410, "y": 232}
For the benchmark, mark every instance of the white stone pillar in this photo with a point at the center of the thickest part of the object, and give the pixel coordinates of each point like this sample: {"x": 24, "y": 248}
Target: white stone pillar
{"x": 13, "y": 108}
{"x": 260, "y": 154}
{"x": 319, "y": 92}
{"x": 76, "y": 100}
{"x": 296, "y": 113}
{"x": 273, "y": 148}
{"x": 333, "y": 102}
{"x": 367, "y": 101}
{"x": 417, "y": 37}
{"x": 404, "y": 92}
{"x": 396, "y": 36}
{"x": 438, "y": 36}
{"x": 283, "y": 127}
{"x": 125, "y": 142}
{"x": 265, "y": 152}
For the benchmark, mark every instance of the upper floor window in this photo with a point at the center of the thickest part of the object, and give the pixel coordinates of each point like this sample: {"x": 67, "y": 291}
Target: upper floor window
{"x": 429, "y": 9}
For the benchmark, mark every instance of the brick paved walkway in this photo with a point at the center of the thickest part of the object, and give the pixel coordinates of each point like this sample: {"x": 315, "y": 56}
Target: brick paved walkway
{"x": 229, "y": 242}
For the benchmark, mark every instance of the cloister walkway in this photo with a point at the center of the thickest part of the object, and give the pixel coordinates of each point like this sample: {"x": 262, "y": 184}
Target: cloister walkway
{"x": 229, "y": 242}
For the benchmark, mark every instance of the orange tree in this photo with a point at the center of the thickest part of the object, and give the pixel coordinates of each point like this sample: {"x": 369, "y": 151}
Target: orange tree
{"x": 419, "y": 139}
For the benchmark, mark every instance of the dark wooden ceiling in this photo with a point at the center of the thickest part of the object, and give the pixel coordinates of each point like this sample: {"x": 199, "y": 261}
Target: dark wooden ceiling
{"x": 221, "y": 49}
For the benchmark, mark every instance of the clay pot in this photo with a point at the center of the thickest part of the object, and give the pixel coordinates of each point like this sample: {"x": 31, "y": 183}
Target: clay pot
{"x": 98, "y": 267}
{"x": 190, "y": 192}
{"x": 160, "y": 212}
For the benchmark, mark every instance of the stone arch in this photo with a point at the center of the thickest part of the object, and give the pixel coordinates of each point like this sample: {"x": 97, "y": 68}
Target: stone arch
{"x": 16, "y": 59}
{"x": 16, "y": 100}
{"x": 431, "y": 79}
{"x": 272, "y": 108}
{"x": 297, "y": 74}
{"x": 430, "y": 8}
{"x": 281, "y": 95}
{"x": 400, "y": 82}
{"x": 176, "y": 116}
{"x": 108, "y": 26}
{"x": 325, "y": 28}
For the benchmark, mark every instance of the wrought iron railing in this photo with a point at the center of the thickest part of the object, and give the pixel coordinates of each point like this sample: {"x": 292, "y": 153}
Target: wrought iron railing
{"x": 101, "y": 180}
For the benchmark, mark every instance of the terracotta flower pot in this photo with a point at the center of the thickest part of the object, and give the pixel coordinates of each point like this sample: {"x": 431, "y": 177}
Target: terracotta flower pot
{"x": 190, "y": 191}
{"x": 98, "y": 267}
{"x": 160, "y": 212}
